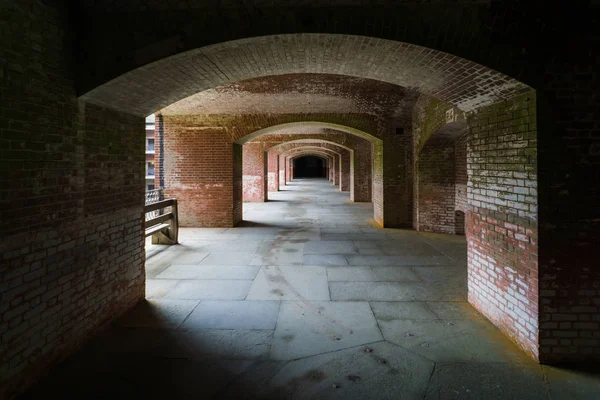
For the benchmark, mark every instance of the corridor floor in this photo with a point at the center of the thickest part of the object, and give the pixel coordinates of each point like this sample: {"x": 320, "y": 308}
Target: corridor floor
{"x": 308, "y": 299}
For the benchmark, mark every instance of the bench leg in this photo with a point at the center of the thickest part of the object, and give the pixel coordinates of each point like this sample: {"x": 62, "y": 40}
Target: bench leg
{"x": 160, "y": 238}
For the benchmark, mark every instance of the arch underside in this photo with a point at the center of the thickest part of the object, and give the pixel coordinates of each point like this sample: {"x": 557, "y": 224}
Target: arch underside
{"x": 465, "y": 85}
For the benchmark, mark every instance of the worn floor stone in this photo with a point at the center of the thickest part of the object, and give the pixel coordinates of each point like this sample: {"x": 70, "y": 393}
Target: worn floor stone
{"x": 308, "y": 299}
{"x": 309, "y": 328}
{"x": 226, "y": 314}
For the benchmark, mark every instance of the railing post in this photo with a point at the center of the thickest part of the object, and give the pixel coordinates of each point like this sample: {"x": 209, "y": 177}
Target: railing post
{"x": 174, "y": 228}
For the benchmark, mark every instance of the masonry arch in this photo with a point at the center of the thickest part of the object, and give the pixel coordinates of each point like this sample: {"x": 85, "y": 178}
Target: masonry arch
{"x": 116, "y": 57}
{"x": 304, "y": 165}
{"x": 450, "y": 83}
{"x": 340, "y": 171}
{"x": 440, "y": 179}
{"x": 285, "y": 54}
{"x": 328, "y": 156}
{"x": 364, "y": 147}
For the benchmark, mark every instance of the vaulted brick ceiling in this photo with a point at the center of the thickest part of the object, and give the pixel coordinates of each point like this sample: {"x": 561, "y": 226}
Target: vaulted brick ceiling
{"x": 464, "y": 84}
{"x": 300, "y": 93}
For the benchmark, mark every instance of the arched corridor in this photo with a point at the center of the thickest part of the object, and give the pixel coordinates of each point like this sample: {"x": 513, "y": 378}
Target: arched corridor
{"x": 303, "y": 300}
{"x": 477, "y": 121}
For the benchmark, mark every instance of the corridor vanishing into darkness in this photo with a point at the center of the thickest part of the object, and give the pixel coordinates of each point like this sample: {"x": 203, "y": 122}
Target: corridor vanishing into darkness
{"x": 306, "y": 299}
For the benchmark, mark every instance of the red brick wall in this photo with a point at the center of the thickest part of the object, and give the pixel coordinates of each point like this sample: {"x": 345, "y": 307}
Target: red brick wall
{"x": 436, "y": 200}
{"x": 253, "y": 167}
{"x": 360, "y": 182}
{"x": 273, "y": 175}
{"x": 569, "y": 193}
{"x": 238, "y": 184}
{"x": 282, "y": 171}
{"x": 395, "y": 180}
{"x": 199, "y": 171}
{"x": 460, "y": 184}
{"x": 502, "y": 218}
{"x": 332, "y": 149}
{"x": 71, "y": 198}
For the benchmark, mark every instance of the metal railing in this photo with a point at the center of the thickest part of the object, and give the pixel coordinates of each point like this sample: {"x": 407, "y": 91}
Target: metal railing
{"x": 154, "y": 196}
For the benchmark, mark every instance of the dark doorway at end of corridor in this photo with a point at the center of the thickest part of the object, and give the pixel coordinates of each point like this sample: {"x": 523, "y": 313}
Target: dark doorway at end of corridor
{"x": 309, "y": 167}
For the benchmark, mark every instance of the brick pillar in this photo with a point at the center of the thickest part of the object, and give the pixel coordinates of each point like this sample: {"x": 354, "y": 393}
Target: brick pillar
{"x": 360, "y": 173}
{"x": 334, "y": 168}
{"x": 345, "y": 172}
{"x": 253, "y": 167}
{"x": 199, "y": 171}
{"x": 502, "y": 220}
{"x": 282, "y": 177}
{"x": 273, "y": 171}
{"x": 393, "y": 181}
{"x": 238, "y": 184}
{"x": 436, "y": 200}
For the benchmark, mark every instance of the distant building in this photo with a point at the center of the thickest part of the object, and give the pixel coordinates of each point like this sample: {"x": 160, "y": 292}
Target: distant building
{"x": 150, "y": 168}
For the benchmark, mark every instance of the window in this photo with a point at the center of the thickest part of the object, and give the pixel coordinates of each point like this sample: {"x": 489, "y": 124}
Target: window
{"x": 149, "y": 187}
{"x": 150, "y": 168}
{"x": 150, "y": 145}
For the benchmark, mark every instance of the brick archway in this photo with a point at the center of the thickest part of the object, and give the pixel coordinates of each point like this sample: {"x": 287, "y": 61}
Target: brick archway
{"x": 366, "y": 174}
{"x": 73, "y": 169}
{"x": 341, "y": 163}
{"x": 439, "y": 75}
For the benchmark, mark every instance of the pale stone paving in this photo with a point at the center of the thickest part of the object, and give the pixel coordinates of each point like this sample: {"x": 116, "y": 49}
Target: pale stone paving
{"x": 309, "y": 299}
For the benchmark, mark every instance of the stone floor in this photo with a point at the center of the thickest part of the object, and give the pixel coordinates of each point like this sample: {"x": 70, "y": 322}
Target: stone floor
{"x": 308, "y": 299}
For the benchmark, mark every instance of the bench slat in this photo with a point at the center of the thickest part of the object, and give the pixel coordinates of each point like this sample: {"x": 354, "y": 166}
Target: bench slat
{"x": 158, "y": 220}
{"x": 156, "y": 228}
{"x": 158, "y": 205}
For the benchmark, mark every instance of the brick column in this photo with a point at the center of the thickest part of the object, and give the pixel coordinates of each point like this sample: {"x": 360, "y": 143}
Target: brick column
{"x": 282, "y": 177}
{"x": 436, "y": 200}
{"x": 199, "y": 171}
{"x": 392, "y": 196}
{"x": 345, "y": 171}
{"x": 273, "y": 171}
{"x": 360, "y": 178}
{"x": 502, "y": 221}
{"x": 253, "y": 170}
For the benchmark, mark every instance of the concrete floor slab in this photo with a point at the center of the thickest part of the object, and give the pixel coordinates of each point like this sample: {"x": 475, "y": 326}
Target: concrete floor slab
{"x": 487, "y": 381}
{"x": 228, "y": 258}
{"x": 453, "y": 340}
{"x": 227, "y": 314}
{"x": 392, "y": 311}
{"x": 290, "y": 283}
{"x": 247, "y": 344}
{"x": 325, "y": 259}
{"x": 209, "y": 289}
{"x": 398, "y": 260}
{"x": 372, "y": 291}
{"x": 309, "y": 328}
{"x": 284, "y": 256}
{"x": 448, "y": 349}
{"x": 377, "y": 371}
{"x": 571, "y": 383}
{"x": 156, "y": 288}
{"x": 188, "y": 256}
{"x": 209, "y": 272}
{"x": 454, "y": 310}
{"x": 350, "y": 274}
{"x": 159, "y": 313}
{"x": 330, "y": 247}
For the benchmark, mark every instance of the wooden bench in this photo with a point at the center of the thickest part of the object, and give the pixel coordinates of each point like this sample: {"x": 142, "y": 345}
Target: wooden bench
{"x": 163, "y": 228}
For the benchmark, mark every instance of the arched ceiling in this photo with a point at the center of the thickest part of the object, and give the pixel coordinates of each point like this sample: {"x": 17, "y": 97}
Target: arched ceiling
{"x": 308, "y": 143}
{"x": 325, "y": 150}
{"x": 463, "y": 83}
{"x": 300, "y": 93}
{"x": 307, "y": 128}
